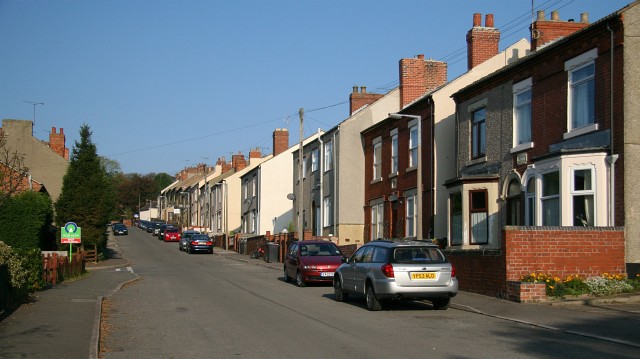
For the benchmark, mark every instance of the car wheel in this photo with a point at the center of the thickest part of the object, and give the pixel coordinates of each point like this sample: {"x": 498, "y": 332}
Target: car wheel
{"x": 286, "y": 275}
{"x": 373, "y": 303}
{"x": 440, "y": 303}
{"x": 299, "y": 281}
{"x": 339, "y": 294}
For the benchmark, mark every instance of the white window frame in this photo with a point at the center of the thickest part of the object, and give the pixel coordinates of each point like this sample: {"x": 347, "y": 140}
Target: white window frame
{"x": 588, "y": 192}
{"x": 571, "y": 66}
{"x": 519, "y": 89}
{"x": 377, "y": 221}
{"x": 327, "y": 212}
{"x": 549, "y": 198}
{"x": 413, "y": 146}
{"x": 411, "y": 216}
{"x": 377, "y": 159}
{"x": 304, "y": 167}
{"x": 254, "y": 224}
{"x": 328, "y": 160}
{"x": 244, "y": 188}
{"x": 394, "y": 152}
{"x": 314, "y": 160}
{"x": 530, "y": 201}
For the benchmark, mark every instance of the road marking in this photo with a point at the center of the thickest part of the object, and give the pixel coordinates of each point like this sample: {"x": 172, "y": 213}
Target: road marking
{"x": 128, "y": 269}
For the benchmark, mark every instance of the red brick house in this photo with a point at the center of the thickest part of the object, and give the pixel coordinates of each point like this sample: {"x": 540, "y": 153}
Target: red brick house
{"x": 540, "y": 166}
{"x": 393, "y": 207}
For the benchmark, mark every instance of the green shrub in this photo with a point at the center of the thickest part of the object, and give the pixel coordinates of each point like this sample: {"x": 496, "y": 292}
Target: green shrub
{"x": 18, "y": 273}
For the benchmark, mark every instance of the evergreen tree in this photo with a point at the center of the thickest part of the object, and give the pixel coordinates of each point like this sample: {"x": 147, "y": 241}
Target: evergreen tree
{"x": 87, "y": 196}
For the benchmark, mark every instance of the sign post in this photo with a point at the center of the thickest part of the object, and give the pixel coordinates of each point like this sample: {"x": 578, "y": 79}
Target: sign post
{"x": 70, "y": 233}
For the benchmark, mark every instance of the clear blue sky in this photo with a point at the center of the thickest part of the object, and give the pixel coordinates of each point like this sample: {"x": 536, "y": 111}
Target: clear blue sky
{"x": 168, "y": 84}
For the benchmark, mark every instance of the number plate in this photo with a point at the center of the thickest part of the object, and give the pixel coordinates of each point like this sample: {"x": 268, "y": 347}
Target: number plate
{"x": 423, "y": 276}
{"x": 326, "y": 274}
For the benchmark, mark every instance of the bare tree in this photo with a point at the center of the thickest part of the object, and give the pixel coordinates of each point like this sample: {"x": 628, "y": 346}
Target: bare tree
{"x": 13, "y": 172}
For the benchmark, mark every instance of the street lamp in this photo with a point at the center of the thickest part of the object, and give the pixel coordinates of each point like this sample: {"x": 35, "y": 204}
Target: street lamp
{"x": 399, "y": 116}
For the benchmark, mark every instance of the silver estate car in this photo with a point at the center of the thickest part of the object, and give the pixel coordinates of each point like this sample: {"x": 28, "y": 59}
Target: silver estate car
{"x": 384, "y": 270}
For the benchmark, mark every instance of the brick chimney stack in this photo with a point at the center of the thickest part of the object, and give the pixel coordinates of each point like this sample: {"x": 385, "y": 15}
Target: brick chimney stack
{"x": 57, "y": 143}
{"x": 280, "y": 141}
{"x": 359, "y": 99}
{"x": 546, "y": 31}
{"x": 482, "y": 42}
{"x": 238, "y": 162}
{"x": 224, "y": 165}
{"x": 419, "y": 76}
{"x": 255, "y": 153}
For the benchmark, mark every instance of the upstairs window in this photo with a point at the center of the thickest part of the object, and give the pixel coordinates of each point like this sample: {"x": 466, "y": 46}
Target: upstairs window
{"x": 377, "y": 161}
{"x": 478, "y": 133}
{"x": 328, "y": 151}
{"x": 581, "y": 91}
{"x": 394, "y": 154}
{"x": 314, "y": 160}
{"x": 413, "y": 146}
{"x": 522, "y": 113}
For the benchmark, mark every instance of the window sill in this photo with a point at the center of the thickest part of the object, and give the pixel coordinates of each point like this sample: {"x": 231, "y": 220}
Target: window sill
{"x": 409, "y": 169}
{"x": 477, "y": 161}
{"x": 580, "y": 131}
{"x": 522, "y": 147}
{"x": 376, "y": 180}
{"x": 393, "y": 175}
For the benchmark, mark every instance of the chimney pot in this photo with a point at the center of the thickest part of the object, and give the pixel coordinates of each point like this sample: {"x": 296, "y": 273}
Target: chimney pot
{"x": 363, "y": 89}
{"x": 421, "y": 56}
{"x": 488, "y": 20}
{"x": 355, "y": 89}
{"x": 477, "y": 18}
{"x": 584, "y": 18}
{"x": 555, "y": 16}
{"x": 540, "y": 15}
{"x": 53, "y": 130}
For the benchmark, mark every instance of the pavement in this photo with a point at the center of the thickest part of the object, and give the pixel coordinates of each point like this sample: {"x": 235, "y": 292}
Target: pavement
{"x": 64, "y": 321}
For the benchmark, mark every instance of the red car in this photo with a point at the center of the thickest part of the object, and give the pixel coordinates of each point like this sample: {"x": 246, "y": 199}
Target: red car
{"x": 312, "y": 261}
{"x": 171, "y": 234}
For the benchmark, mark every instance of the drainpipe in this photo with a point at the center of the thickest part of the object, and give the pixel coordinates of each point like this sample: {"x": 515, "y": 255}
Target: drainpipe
{"x": 613, "y": 157}
{"x": 431, "y": 173}
{"x": 258, "y": 200}
{"x": 335, "y": 183}
{"x": 320, "y": 168}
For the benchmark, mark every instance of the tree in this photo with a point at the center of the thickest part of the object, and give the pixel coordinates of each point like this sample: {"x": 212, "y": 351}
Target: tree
{"x": 25, "y": 221}
{"x": 12, "y": 170}
{"x": 87, "y": 196}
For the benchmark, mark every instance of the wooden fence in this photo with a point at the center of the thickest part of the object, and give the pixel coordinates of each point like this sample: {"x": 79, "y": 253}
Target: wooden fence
{"x": 55, "y": 268}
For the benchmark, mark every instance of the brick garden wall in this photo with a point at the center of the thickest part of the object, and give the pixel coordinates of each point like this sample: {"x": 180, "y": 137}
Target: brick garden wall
{"x": 563, "y": 251}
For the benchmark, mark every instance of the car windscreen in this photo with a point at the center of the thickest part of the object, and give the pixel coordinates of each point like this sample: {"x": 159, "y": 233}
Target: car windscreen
{"x": 171, "y": 230}
{"x": 418, "y": 255}
{"x": 319, "y": 249}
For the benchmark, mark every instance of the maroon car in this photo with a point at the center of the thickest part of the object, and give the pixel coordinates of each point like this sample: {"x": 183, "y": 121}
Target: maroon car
{"x": 312, "y": 261}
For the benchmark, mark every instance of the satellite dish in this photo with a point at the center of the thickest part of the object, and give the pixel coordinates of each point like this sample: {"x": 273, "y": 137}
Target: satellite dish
{"x": 291, "y": 196}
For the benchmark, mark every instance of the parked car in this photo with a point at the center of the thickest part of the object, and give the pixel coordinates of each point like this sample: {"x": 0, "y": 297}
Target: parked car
{"x": 312, "y": 261}
{"x": 120, "y": 229}
{"x": 384, "y": 270}
{"x": 186, "y": 236}
{"x": 151, "y": 227}
{"x": 171, "y": 234}
{"x": 200, "y": 243}
{"x": 159, "y": 230}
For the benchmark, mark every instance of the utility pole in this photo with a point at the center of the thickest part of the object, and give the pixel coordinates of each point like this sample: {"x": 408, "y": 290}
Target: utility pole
{"x": 300, "y": 177}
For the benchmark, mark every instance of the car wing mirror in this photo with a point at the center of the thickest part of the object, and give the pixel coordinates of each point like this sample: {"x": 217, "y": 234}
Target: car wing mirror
{"x": 345, "y": 260}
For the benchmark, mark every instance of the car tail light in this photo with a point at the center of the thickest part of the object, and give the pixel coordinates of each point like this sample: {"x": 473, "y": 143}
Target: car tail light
{"x": 453, "y": 270}
{"x": 209, "y": 243}
{"x": 387, "y": 270}
{"x": 195, "y": 243}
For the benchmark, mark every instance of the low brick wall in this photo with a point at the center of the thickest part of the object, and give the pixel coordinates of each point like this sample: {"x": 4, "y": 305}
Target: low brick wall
{"x": 559, "y": 251}
{"x": 479, "y": 271}
{"x": 526, "y": 292}
{"x": 563, "y": 251}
